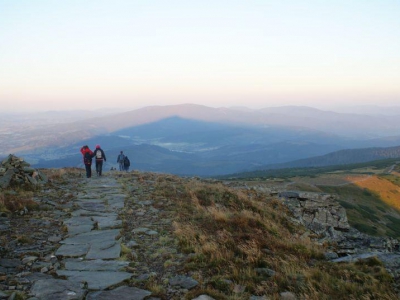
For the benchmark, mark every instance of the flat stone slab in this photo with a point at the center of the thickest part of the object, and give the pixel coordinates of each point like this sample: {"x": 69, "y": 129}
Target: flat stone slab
{"x": 355, "y": 257}
{"x": 93, "y": 206}
{"x": 89, "y": 213}
{"x": 78, "y": 221}
{"x": 95, "y": 265}
{"x": 108, "y": 222}
{"x": 116, "y": 204}
{"x": 74, "y": 230}
{"x": 70, "y": 250}
{"x": 57, "y": 289}
{"x": 120, "y": 293}
{"x": 183, "y": 281}
{"x": 9, "y": 263}
{"x": 95, "y": 236}
{"x": 110, "y": 250}
{"x": 96, "y": 280}
{"x": 141, "y": 230}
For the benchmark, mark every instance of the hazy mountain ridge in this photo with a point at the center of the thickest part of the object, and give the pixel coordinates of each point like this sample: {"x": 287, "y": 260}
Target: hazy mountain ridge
{"x": 341, "y": 157}
{"x": 199, "y": 140}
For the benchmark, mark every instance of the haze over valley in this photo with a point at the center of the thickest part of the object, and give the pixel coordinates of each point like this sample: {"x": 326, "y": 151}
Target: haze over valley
{"x": 199, "y": 140}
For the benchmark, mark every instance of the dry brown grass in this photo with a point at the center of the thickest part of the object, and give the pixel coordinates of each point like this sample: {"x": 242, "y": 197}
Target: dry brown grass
{"x": 63, "y": 173}
{"x": 387, "y": 191}
{"x": 230, "y": 233}
{"x": 17, "y": 201}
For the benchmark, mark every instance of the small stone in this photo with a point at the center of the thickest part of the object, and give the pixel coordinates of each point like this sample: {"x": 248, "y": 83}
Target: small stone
{"x": 134, "y": 255}
{"x": 331, "y": 255}
{"x": 238, "y": 289}
{"x": 151, "y": 232}
{"x": 132, "y": 244}
{"x": 265, "y": 272}
{"x": 140, "y": 230}
{"x": 184, "y": 282}
{"x": 29, "y": 259}
{"x": 54, "y": 239}
{"x": 203, "y": 297}
{"x": 287, "y": 296}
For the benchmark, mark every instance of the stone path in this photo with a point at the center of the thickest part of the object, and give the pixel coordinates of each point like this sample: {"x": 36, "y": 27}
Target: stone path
{"x": 90, "y": 252}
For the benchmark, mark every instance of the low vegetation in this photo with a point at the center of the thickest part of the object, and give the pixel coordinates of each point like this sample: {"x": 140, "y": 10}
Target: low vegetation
{"x": 16, "y": 201}
{"x": 241, "y": 243}
{"x": 372, "y": 167}
{"x": 370, "y": 191}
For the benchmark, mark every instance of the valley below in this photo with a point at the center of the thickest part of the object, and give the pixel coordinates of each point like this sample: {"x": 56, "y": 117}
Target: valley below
{"x": 203, "y": 141}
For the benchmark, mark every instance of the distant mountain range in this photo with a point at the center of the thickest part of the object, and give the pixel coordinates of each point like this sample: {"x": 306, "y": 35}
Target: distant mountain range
{"x": 341, "y": 157}
{"x": 199, "y": 140}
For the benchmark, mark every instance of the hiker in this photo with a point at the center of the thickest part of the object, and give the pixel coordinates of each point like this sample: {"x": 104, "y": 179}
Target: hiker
{"x": 120, "y": 160}
{"x": 87, "y": 160}
{"x": 100, "y": 157}
{"x": 127, "y": 163}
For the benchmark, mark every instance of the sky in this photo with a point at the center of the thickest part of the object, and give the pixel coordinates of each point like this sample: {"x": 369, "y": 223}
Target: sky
{"x": 67, "y": 55}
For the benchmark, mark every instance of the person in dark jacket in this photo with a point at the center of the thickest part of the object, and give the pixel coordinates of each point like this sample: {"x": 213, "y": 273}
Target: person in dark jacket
{"x": 87, "y": 160}
{"x": 120, "y": 161}
{"x": 100, "y": 156}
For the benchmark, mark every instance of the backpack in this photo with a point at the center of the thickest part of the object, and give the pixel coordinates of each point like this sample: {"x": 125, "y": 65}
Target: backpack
{"x": 87, "y": 159}
{"x": 127, "y": 163}
{"x": 99, "y": 155}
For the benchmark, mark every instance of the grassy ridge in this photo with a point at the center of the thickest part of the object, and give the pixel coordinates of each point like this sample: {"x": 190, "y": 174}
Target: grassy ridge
{"x": 369, "y": 193}
{"x": 241, "y": 243}
{"x": 312, "y": 171}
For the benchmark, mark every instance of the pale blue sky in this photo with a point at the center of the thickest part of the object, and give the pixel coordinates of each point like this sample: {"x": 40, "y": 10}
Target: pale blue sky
{"x": 94, "y": 54}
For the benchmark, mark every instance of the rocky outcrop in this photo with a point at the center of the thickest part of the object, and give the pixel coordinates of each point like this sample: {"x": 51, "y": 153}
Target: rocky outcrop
{"x": 320, "y": 213}
{"x": 324, "y": 216}
{"x": 14, "y": 171}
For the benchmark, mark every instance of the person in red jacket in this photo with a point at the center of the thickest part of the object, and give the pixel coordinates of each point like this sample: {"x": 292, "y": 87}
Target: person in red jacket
{"x": 100, "y": 157}
{"x": 87, "y": 160}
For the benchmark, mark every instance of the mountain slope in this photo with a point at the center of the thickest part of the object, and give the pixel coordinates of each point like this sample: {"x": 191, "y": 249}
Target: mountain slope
{"x": 341, "y": 157}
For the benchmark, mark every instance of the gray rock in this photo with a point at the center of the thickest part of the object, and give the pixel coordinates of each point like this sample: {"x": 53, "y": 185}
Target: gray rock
{"x": 151, "y": 232}
{"x": 54, "y": 239}
{"x": 203, "y": 297}
{"x": 96, "y": 280}
{"x": 184, "y": 282}
{"x": 287, "y": 296}
{"x": 57, "y": 289}
{"x": 140, "y": 230}
{"x": 9, "y": 263}
{"x": 71, "y": 250}
{"x": 95, "y": 265}
{"x": 330, "y": 255}
{"x": 5, "y": 180}
{"x": 120, "y": 293}
{"x": 95, "y": 236}
{"x": 93, "y": 206}
{"x": 265, "y": 272}
{"x": 356, "y": 257}
{"x": 104, "y": 250}
{"x": 76, "y": 229}
{"x": 29, "y": 259}
{"x": 132, "y": 244}
{"x": 108, "y": 222}
{"x": 145, "y": 203}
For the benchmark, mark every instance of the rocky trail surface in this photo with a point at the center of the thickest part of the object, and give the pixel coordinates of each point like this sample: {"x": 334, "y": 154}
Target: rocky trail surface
{"x": 111, "y": 237}
{"x": 93, "y": 239}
